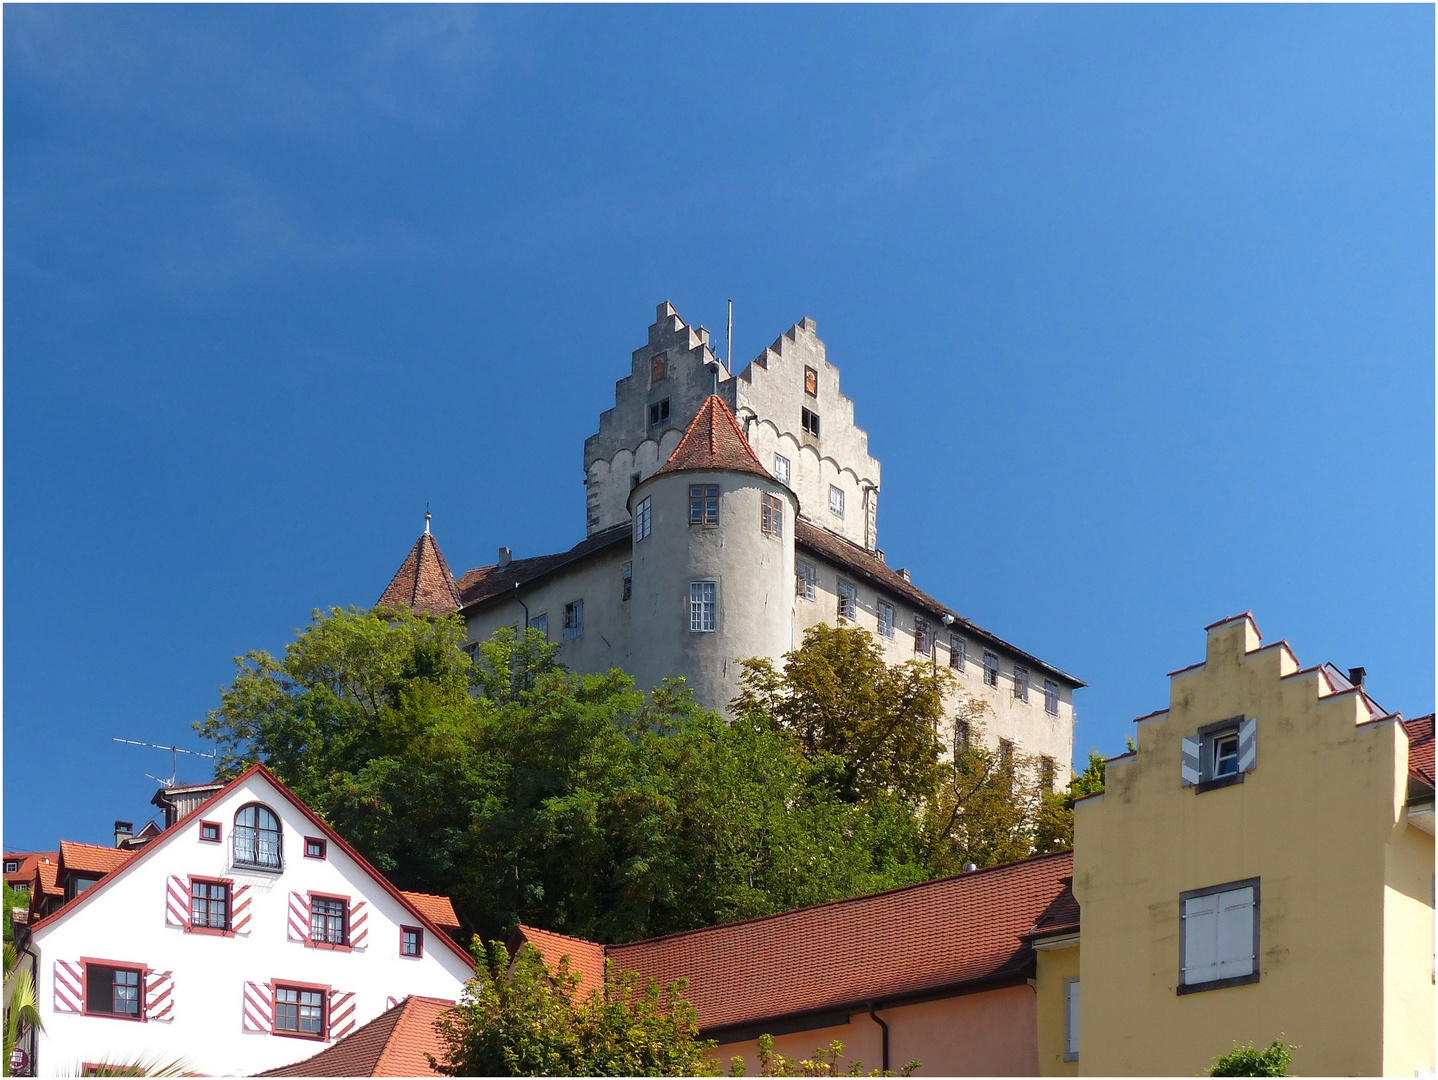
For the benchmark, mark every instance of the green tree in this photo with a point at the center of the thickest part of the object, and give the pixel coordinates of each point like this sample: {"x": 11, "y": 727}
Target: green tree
{"x": 22, "y": 1008}
{"x": 519, "y": 1019}
{"x": 1251, "y": 1061}
{"x": 1054, "y": 820}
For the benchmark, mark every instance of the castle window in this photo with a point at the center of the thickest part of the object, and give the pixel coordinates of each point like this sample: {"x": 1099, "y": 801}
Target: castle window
{"x": 1051, "y": 697}
{"x": 886, "y": 619}
{"x": 659, "y": 413}
{"x": 836, "y": 501}
{"x": 703, "y": 606}
{"x": 1021, "y": 683}
{"x": 923, "y": 636}
{"x": 848, "y": 601}
{"x": 574, "y": 619}
{"x": 810, "y": 421}
{"x": 773, "y": 516}
{"x": 661, "y": 367}
{"x": 634, "y": 479}
{"x": 991, "y": 669}
{"x": 1218, "y": 936}
{"x": 961, "y": 735}
{"x": 811, "y": 383}
{"x": 642, "y": 518}
{"x": 1006, "y": 754}
{"x": 628, "y": 571}
{"x": 803, "y": 581}
{"x": 781, "y": 469}
{"x": 1046, "y": 773}
{"x": 703, "y": 504}
{"x": 256, "y": 838}
{"x": 541, "y": 623}
{"x": 956, "y": 653}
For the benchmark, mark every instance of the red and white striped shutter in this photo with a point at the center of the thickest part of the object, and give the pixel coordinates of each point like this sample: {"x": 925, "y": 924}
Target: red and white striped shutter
{"x": 1189, "y": 766}
{"x": 342, "y": 1013}
{"x": 240, "y": 909}
{"x": 69, "y": 986}
{"x": 259, "y": 1008}
{"x": 299, "y": 925}
{"x": 359, "y": 925}
{"x": 160, "y": 996}
{"x": 177, "y": 901}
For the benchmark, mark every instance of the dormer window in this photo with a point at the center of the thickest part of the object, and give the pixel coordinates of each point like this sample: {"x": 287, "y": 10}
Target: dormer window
{"x": 257, "y": 838}
{"x": 659, "y": 413}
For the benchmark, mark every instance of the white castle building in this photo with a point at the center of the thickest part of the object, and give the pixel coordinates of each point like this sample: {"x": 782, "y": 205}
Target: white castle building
{"x": 727, "y": 514}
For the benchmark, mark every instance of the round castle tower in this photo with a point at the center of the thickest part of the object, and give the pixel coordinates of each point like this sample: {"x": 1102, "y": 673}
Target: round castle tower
{"x": 713, "y": 561}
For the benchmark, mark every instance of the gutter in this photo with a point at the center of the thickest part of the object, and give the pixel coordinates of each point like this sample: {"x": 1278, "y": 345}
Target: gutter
{"x": 874, "y": 1016}
{"x": 1420, "y": 814}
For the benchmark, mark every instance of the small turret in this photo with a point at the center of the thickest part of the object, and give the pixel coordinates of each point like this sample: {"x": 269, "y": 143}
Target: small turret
{"x": 423, "y": 583}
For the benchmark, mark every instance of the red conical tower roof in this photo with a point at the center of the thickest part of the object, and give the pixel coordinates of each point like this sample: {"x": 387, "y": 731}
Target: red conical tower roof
{"x": 423, "y": 583}
{"x": 714, "y": 441}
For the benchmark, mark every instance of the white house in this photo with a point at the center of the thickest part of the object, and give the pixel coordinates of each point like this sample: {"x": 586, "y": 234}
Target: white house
{"x": 245, "y": 937}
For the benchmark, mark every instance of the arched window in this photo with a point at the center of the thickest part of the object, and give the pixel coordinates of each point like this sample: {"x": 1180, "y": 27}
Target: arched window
{"x": 257, "y": 838}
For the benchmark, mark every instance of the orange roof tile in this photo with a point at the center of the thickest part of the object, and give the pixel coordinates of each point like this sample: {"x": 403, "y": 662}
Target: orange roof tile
{"x": 423, "y": 583}
{"x": 91, "y": 858}
{"x": 392, "y": 1044}
{"x": 47, "y": 873}
{"x": 586, "y": 959}
{"x": 28, "y": 860}
{"x": 1061, "y": 916}
{"x": 438, "y": 909}
{"x": 714, "y": 441}
{"x": 1420, "y": 748}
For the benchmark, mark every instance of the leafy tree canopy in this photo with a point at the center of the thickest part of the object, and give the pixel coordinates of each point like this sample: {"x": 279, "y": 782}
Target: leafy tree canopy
{"x": 1251, "y": 1061}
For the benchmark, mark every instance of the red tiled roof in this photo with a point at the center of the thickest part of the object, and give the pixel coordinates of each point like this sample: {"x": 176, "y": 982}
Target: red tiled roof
{"x": 1061, "y": 916}
{"x": 47, "y": 874}
{"x": 392, "y": 1044}
{"x": 423, "y": 583}
{"x": 586, "y": 959}
{"x": 438, "y": 909}
{"x": 714, "y": 441}
{"x": 866, "y": 564}
{"x": 91, "y": 858}
{"x": 1420, "y": 748}
{"x": 487, "y": 582}
{"x": 28, "y": 860}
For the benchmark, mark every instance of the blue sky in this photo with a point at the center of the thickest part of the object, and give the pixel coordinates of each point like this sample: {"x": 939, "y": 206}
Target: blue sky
{"x": 1136, "y": 305}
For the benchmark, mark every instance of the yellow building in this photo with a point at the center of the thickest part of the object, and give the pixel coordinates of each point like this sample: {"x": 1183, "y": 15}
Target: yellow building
{"x": 1260, "y": 868}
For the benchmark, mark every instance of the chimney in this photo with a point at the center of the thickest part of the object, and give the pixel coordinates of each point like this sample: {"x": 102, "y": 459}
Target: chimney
{"x": 880, "y": 553}
{"x": 505, "y": 555}
{"x": 123, "y": 831}
{"x": 1356, "y": 675}
{"x": 903, "y": 572}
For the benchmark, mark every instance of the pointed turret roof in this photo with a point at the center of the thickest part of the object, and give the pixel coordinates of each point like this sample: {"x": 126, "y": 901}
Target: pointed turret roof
{"x": 423, "y": 583}
{"x": 714, "y": 441}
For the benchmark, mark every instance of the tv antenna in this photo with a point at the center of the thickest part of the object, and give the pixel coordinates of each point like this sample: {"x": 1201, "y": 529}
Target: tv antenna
{"x": 175, "y": 751}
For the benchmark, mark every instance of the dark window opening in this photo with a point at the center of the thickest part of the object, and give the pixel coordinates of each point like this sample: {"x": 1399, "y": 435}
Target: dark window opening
{"x": 112, "y": 991}
{"x": 659, "y": 413}
{"x": 810, "y": 421}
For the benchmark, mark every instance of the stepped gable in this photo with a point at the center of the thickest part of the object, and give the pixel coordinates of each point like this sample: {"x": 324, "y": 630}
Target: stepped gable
{"x": 394, "y": 1043}
{"x": 423, "y": 583}
{"x": 714, "y": 441}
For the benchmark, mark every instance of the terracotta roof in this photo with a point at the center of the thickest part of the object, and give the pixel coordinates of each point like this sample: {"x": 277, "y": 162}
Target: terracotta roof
{"x": 863, "y": 563}
{"x": 392, "y": 1044}
{"x": 1061, "y": 916}
{"x": 47, "y": 873}
{"x": 714, "y": 441}
{"x": 423, "y": 583}
{"x": 28, "y": 860}
{"x": 487, "y": 582}
{"x": 91, "y": 858}
{"x": 439, "y": 909}
{"x": 586, "y": 958}
{"x": 1420, "y": 748}
{"x": 922, "y": 939}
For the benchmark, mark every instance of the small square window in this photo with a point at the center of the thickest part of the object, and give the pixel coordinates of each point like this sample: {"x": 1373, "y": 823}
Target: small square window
{"x": 1021, "y": 683}
{"x": 803, "y": 581}
{"x": 1220, "y": 754}
{"x": 703, "y": 504}
{"x": 315, "y": 847}
{"x": 1051, "y": 697}
{"x": 642, "y": 518}
{"x": 772, "y": 520}
{"x": 628, "y": 571}
{"x": 703, "y": 606}
{"x": 886, "y": 619}
{"x": 811, "y": 382}
{"x": 12, "y": 866}
{"x": 956, "y": 653}
{"x": 848, "y": 601}
{"x": 836, "y": 501}
{"x": 781, "y": 469}
{"x": 810, "y": 421}
{"x": 991, "y": 669}
{"x": 411, "y": 941}
{"x": 573, "y": 620}
{"x": 210, "y": 831}
{"x": 660, "y": 367}
{"x": 299, "y": 1011}
{"x": 659, "y": 413}
{"x": 113, "y": 991}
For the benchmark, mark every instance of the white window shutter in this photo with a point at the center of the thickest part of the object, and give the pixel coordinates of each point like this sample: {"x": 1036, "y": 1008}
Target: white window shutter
{"x": 1190, "y": 762}
{"x": 259, "y": 1008}
{"x": 69, "y": 985}
{"x": 160, "y": 997}
{"x": 177, "y": 901}
{"x": 1200, "y": 939}
{"x": 299, "y": 922}
{"x": 1071, "y": 1028}
{"x": 342, "y": 1013}
{"x": 1235, "y": 933}
{"x": 1247, "y": 744}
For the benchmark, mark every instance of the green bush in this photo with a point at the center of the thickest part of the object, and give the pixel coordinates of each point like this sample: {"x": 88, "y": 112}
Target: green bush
{"x": 1250, "y": 1061}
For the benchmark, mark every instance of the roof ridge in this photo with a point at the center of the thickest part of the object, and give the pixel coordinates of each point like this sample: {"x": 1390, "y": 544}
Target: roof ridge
{"x": 728, "y": 446}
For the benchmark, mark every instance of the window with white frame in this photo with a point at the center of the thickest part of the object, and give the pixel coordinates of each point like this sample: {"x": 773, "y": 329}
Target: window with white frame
{"x": 574, "y": 619}
{"x": 886, "y": 619}
{"x": 1021, "y": 683}
{"x": 703, "y": 606}
{"x": 956, "y": 653}
{"x": 804, "y": 580}
{"x": 781, "y": 468}
{"x": 848, "y": 601}
{"x": 1220, "y": 754}
{"x": 628, "y": 572}
{"x": 1071, "y": 1018}
{"x": 991, "y": 669}
{"x": 1218, "y": 936}
{"x": 642, "y": 518}
{"x": 1051, "y": 697}
{"x": 836, "y": 500}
